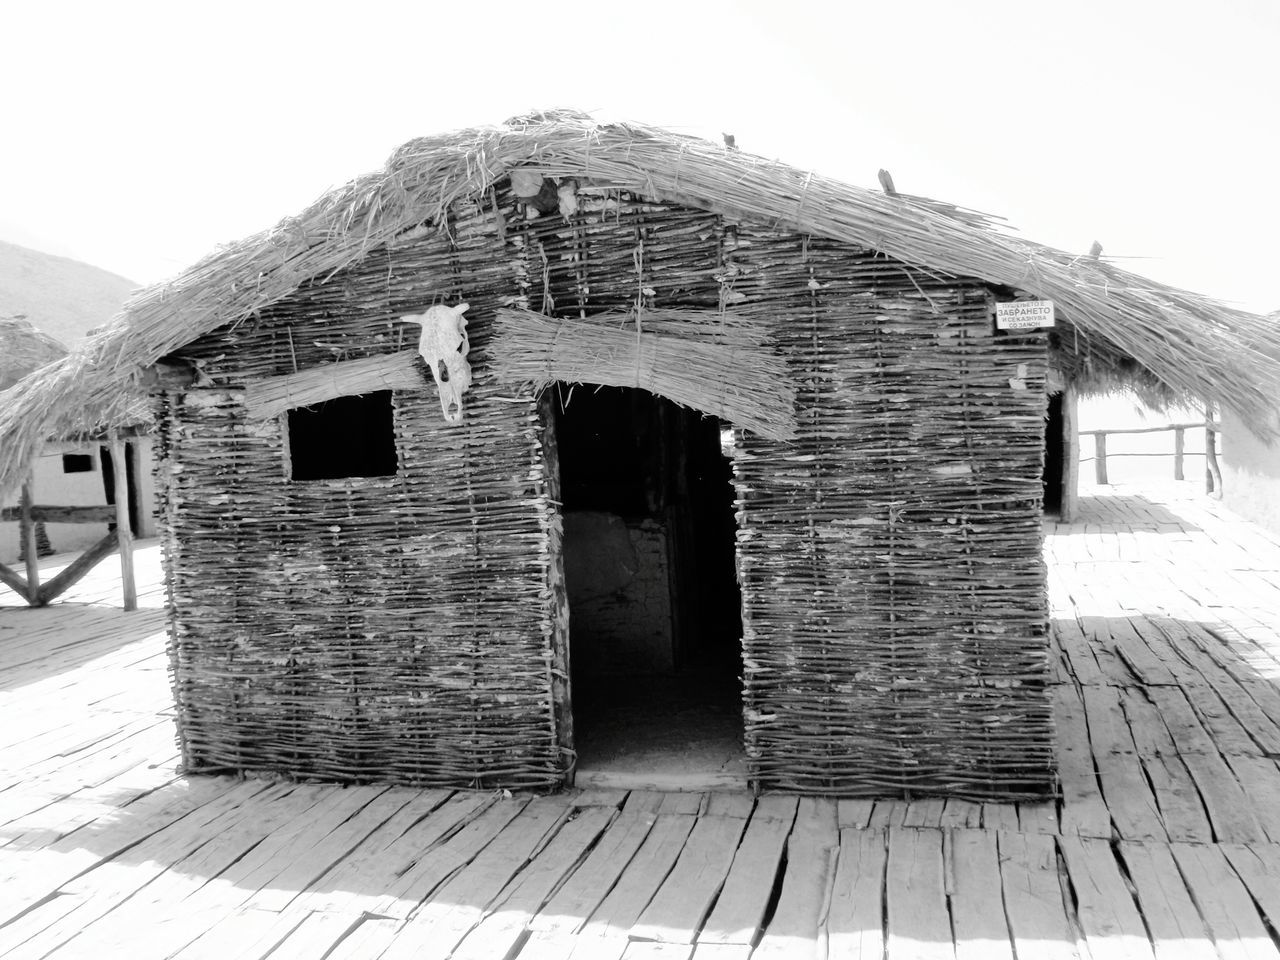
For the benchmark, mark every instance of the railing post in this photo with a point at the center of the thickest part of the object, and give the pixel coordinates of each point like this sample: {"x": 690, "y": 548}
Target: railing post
{"x": 1212, "y": 470}
{"x": 1179, "y": 446}
{"x": 1100, "y": 458}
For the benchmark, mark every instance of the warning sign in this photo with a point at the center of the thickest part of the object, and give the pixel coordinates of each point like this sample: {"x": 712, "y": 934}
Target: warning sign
{"x": 1024, "y": 315}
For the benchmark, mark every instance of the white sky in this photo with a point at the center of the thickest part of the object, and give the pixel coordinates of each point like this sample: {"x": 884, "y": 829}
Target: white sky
{"x": 139, "y": 136}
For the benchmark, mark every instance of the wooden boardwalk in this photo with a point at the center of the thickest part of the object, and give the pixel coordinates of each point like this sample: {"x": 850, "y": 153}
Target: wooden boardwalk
{"x": 1166, "y": 843}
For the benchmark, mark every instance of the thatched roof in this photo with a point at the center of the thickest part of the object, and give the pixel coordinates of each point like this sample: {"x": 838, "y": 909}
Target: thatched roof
{"x": 23, "y": 348}
{"x": 1112, "y": 320}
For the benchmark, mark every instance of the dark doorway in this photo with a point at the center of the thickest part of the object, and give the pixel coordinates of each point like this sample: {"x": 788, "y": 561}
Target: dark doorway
{"x": 131, "y": 477}
{"x": 654, "y": 610}
{"x": 1054, "y": 456}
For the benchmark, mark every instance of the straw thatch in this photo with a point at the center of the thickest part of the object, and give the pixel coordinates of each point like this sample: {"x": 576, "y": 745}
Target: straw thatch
{"x": 1111, "y": 319}
{"x": 23, "y": 349}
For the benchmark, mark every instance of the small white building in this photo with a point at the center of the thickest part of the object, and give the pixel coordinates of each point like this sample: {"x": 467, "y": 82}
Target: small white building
{"x": 69, "y": 473}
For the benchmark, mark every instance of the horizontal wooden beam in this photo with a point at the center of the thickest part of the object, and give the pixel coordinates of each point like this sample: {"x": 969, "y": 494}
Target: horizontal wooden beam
{"x": 1203, "y": 425}
{"x": 101, "y": 513}
{"x": 78, "y": 568}
{"x": 389, "y": 371}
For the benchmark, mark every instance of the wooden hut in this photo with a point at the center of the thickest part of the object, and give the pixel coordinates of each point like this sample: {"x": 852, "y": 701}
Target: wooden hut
{"x": 760, "y": 419}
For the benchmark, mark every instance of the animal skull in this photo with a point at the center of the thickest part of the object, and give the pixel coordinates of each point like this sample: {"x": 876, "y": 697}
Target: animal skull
{"x": 444, "y": 345}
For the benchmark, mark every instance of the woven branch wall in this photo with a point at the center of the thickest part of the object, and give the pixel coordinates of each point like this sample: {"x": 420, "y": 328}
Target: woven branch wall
{"x": 386, "y": 628}
{"x": 400, "y": 628}
{"x": 890, "y": 555}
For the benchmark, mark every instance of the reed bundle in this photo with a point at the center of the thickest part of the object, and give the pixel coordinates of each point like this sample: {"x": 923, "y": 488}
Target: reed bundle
{"x": 389, "y": 371}
{"x": 708, "y": 361}
{"x": 23, "y": 348}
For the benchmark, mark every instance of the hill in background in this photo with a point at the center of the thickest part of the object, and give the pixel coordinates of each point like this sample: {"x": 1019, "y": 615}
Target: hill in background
{"x": 60, "y": 296}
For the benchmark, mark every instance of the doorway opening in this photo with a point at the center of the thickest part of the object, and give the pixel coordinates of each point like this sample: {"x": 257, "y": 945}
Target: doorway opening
{"x": 655, "y": 622}
{"x": 109, "y": 480}
{"x": 1055, "y": 450}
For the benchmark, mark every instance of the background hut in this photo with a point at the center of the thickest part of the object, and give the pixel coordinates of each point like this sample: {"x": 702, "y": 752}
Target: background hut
{"x": 800, "y": 464}
{"x": 70, "y": 468}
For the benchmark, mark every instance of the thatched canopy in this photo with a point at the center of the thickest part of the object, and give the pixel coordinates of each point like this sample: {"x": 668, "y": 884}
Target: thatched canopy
{"x": 23, "y": 349}
{"x": 1113, "y": 323}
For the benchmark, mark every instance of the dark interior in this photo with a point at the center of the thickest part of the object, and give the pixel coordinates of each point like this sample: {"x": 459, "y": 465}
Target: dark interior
{"x": 1054, "y": 456}
{"x": 654, "y": 606}
{"x": 343, "y": 437}
{"x": 109, "y": 481}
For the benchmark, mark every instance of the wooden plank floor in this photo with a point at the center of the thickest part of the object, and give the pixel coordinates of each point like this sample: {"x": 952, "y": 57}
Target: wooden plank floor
{"x": 1165, "y": 844}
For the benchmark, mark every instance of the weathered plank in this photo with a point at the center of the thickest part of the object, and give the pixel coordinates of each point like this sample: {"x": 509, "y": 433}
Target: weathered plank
{"x": 642, "y": 877}
{"x": 1038, "y": 917}
{"x": 515, "y": 908}
{"x": 1110, "y": 919}
{"x": 1174, "y": 925}
{"x": 806, "y": 883}
{"x": 439, "y": 924}
{"x": 1225, "y": 801}
{"x": 855, "y": 926}
{"x": 977, "y": 906}
{"x": 918, "y": 922}
{"x": 740, "y": 908}
{"x": 583, "y": 892}
{"x": 1228, "y": 909}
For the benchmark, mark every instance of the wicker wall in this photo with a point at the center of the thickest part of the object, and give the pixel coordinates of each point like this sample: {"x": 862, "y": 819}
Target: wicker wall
{"x": 386, "y": 628}
{"x": 890, "y": 556}
{"x": 399, "y": 628}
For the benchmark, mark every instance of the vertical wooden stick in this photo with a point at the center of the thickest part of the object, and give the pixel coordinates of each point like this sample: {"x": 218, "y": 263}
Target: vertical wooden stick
{"x": 1179, "y": 449}
{"x": 561, "y": 686}
{"x": 1212, "y": 470}
{"x": 124, "y": 535}
{"x": 1100, "y": 458}
{"x": 1070, "y": 457}
{"x": 29, "y": 543}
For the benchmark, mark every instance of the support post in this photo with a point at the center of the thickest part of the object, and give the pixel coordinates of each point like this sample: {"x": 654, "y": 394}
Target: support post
{"x": 29, "y": 542}
{"x": 124, "y": 535}
{"x": 1179, "y": 451}
{"x": 1212, "y": 470}
{"x": 1070, "y": 457}
{"x": 1100, "y": 458}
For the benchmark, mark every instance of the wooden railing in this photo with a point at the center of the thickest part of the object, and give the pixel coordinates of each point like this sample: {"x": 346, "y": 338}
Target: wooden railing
{"x": 28, "y": 514}
{"x": 1213, "y": 474}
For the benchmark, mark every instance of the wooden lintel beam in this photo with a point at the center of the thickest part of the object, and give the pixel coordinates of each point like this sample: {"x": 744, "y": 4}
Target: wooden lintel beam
{"x": 77, "y": 569}
{"x": 272, "y": 396}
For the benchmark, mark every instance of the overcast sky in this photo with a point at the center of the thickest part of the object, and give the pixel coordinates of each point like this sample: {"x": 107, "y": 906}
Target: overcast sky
{"x": 139, "y": 136}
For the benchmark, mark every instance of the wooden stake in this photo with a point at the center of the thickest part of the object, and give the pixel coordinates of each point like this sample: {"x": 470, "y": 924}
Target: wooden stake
{"x": 1070, "y": 457}
{"x": 1179, "y": 451}
{"x": 29, "y": 543}
{"x": 1100, "y": 458}
{"x": 561, "y": 689}
{"x": 1212, "y": 470}
{"x": 124, "y": 535}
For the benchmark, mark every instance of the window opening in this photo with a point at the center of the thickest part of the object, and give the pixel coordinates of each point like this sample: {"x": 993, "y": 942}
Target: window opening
{"x": 343, "y": 437}
{"x": 77, "y": 463}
